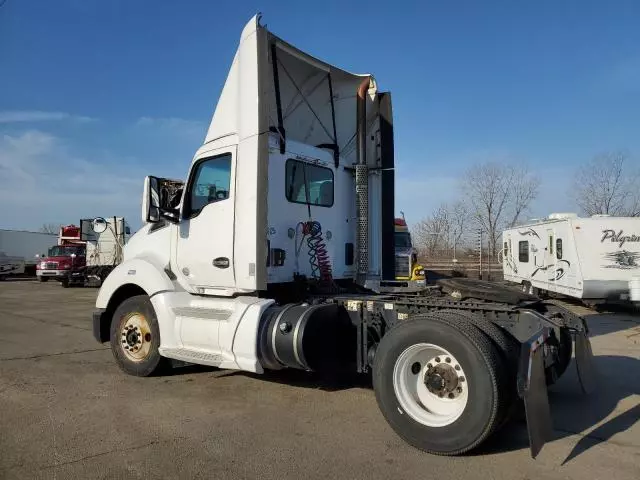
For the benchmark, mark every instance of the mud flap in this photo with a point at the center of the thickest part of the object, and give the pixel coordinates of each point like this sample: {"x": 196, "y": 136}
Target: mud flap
{"x": 532, "y": 387}
{"x": 584, "y": 363}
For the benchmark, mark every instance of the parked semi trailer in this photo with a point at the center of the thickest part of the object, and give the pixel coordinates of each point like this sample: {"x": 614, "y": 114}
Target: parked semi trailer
{"x": 275, "y": 250}
{"x": 24, "y": 248}
{"x": 595, "y": 259}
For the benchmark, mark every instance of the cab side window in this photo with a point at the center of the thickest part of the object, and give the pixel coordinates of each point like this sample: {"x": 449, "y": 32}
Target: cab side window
{"x": 307, "y": 183}
{"x": 210, "y": 183}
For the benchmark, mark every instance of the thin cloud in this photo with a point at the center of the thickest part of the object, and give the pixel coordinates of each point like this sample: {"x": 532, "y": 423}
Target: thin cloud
{"x": 24, "y": 116}
{"x": 173, "y": 125}
{"x": 43, "y": 181}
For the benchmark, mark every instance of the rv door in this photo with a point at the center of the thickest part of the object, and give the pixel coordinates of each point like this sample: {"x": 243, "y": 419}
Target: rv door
{"x": 549, "y": 257}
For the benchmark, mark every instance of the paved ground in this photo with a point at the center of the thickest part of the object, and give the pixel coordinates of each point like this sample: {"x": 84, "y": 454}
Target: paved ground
{"x": 66, "y": 411}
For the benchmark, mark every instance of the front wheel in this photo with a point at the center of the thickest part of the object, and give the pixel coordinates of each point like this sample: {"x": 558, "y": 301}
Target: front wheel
{"x": 43, "y": 279}
{"x": 135, "y": 337}
{"x": 441, "y": 385}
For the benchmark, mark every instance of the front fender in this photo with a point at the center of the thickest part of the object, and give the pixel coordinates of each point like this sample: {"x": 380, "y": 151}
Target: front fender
{"x": 143, "y": 272}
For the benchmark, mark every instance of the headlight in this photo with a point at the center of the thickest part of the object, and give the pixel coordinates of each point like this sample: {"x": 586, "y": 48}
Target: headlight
{"x": 43, "y": 265}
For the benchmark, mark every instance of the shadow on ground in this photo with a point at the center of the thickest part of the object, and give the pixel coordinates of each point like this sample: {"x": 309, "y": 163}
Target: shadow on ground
{"x": 312, "y": 380}
{"x": 575, "y": 413}
{"x": 605, "y": 323}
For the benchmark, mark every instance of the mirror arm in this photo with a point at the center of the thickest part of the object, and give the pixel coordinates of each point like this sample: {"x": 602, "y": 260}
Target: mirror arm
{"x": 172, "y": 215}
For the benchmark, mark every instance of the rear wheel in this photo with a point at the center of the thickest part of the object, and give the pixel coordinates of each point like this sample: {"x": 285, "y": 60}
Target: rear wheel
{"x": 565, "y": 350}
{"x": 135, "y": 337}
{"x": 440, "y": 385}
{"x": 509, "y": 350}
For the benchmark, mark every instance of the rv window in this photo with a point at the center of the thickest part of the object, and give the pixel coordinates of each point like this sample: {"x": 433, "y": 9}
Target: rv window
{"x": 559, "y": 248}
{"x": 307, "y": 183}
{"x": 506, "y": 249}
{"x": 523, "y": 251}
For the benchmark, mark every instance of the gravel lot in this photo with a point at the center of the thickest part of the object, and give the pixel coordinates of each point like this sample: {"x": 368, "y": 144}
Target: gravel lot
{"x": 66, "y": 411}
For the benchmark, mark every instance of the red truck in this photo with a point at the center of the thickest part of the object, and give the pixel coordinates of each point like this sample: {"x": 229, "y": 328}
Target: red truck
{"x": 65, "y": 258}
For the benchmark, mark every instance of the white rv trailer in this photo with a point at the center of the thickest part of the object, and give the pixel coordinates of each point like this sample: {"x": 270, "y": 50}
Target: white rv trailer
{"x": 595, "y": 259}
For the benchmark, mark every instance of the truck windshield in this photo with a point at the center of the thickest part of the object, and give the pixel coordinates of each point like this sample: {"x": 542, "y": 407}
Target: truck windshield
{"x": 65, "y": 251}
{"x": 402, "y": 240}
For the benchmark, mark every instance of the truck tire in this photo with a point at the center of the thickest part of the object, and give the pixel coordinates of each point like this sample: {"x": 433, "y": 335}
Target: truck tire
{"x": 43, "y": 279}
{"x": 135, "y": 337}
{"x": 565, "y": 350}
{"x": 509, "y": 349}
{"x": 441, "y": 385}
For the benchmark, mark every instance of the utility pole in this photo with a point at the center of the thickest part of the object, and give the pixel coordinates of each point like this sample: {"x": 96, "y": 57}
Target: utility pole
{"x": 480, "y": 252}
{"x": 455, "y": 241}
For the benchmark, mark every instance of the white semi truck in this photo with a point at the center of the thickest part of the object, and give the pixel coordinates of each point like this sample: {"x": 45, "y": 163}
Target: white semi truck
{"x": 277, "y": 249}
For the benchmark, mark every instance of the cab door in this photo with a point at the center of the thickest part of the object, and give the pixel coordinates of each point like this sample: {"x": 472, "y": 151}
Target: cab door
{"x": 205, "y": 234}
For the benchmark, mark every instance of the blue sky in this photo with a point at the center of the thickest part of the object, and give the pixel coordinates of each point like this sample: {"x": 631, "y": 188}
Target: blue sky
{"x": 95, "y": 94}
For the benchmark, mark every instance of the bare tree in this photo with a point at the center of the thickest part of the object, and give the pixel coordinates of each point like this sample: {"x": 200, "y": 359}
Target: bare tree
{"x": 440, "y": 233}
{"x": 607, "y": 185}
{"x": 459, "y": 215}
{"x": 50, "y": 228}
{"x": 430, "y": 234}
{"x": 498, "y": 195}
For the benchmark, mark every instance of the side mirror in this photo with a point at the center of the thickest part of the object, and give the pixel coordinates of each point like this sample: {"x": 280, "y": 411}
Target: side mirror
{"x": 157, "y": 198}
{"x": 99, "y": 225}
{"x": 150, "y": 201}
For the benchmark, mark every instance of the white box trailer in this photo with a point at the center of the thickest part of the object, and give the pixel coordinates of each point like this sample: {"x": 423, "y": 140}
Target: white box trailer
{"x": 105, "y": 239}
{"x": 25, "y": 245}
{"x": 10, "y": 265}
{"x": 595, "y": 259}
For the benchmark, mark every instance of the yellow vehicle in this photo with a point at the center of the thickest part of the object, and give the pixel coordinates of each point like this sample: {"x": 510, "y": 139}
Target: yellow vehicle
{"x": 407, "y": 266}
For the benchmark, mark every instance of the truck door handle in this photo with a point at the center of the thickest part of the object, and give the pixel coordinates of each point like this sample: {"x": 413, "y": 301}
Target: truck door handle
{"x": 221, "y": 262}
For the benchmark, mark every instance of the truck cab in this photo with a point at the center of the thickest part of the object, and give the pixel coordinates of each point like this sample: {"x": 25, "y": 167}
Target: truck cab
{"x": 65, "y": 259}
{"x": 406, "y": 256}
{"x": 60, "y": 262}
